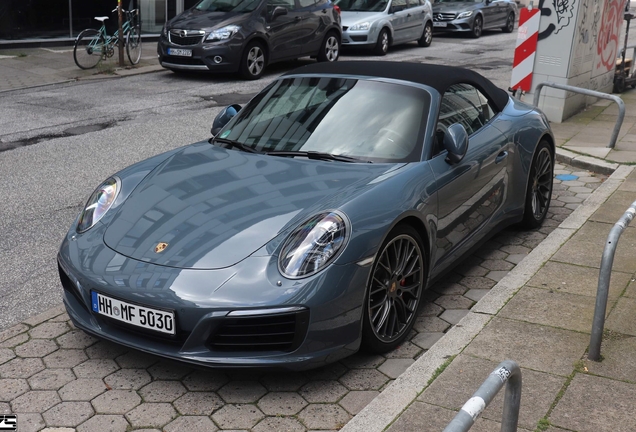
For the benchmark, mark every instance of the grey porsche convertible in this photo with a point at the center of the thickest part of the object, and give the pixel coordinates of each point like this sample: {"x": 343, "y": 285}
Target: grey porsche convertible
{"x": 310, "y": 224}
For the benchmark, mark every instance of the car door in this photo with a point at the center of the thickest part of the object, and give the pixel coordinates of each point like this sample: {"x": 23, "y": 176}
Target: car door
{"x": 415, "y": 19}
{"x": 399, "y": 20}
{"x": 501, "y": 14}
{"x": 490, "y": 9}
{"x": 312, "y": 19}
{"x": 472, "y": 191}
{"x": 285, "y": 31}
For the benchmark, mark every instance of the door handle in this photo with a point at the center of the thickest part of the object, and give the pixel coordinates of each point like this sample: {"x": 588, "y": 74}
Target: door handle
{"x": 408, "y": 15}
{"x": 297, "y": 18}
{"x": 501, "y": 156}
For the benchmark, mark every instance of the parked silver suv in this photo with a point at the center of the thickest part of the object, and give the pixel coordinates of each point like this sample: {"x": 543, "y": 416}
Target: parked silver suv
{"x": 379, "y": 24}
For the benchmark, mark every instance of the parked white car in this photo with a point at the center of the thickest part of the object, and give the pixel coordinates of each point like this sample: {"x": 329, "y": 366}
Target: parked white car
{"x": 379, "y": 24}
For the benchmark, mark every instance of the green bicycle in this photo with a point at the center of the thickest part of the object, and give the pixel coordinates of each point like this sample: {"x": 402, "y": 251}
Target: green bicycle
{"x": 92, "y": 46}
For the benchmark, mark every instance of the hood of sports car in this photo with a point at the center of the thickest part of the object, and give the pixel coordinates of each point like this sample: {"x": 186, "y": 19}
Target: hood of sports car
{"x": 209, "y": 208}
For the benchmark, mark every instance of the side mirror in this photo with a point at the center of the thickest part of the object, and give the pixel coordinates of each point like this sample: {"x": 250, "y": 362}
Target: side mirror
{"x": 278, "y": 11}
{"x": 224, "y": 117}
{"x": 456, "y": 142}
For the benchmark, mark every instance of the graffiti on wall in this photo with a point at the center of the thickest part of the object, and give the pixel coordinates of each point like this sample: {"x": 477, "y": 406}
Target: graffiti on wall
{"x": 607, "y": 43}
{"x": 557, "y": 14}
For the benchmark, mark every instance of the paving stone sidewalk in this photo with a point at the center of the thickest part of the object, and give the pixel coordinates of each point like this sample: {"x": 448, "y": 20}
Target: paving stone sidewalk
{"x": 53, "y": 375}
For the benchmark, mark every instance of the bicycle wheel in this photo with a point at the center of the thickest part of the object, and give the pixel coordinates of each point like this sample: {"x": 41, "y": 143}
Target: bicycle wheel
{"x": 88, "y": 49}
{"x": 133, "y": 44}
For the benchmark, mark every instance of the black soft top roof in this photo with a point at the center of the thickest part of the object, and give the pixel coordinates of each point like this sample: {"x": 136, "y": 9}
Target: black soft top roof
{"x": 436, "y": 76}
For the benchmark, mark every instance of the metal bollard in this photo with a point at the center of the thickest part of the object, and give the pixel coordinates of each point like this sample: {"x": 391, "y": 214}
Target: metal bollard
{"x": 507, "y": 372}
{"x": 587, "y": 92}
{"x": 604, "y": 277}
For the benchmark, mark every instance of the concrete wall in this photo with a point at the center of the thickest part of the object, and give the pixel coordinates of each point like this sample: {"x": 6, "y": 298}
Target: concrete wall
{"x": 578, "y": 44}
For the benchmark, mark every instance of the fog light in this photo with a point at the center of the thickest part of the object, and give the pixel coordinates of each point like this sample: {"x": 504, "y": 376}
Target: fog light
{"x": 218, "y": 59}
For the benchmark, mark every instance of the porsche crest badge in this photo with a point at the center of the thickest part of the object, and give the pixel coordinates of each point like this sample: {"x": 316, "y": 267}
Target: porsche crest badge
{"x": 161, "y": 247}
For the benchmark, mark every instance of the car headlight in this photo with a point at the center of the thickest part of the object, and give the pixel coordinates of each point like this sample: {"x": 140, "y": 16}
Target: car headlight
{"x": 98, "y": 204}
{"x": 464, "y": 14}
{"x": 223, "y": 33}
{"x": 360, "y": 26}
{"x": 164, "y": 31}
{"x": 313, "y": 245}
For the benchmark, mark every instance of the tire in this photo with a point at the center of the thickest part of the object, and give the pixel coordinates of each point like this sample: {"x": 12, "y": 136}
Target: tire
{"x": 510, "y": 23}
{"x": 329, "y": 49}
{"x": 382, "y": 45}
{"x": 478, "y": 27}
{"x": 539, "y": 189}
{"x": 133, "y": 45}
{"x": 619, "y": 84}
{"x": 389, "y": 310}
{"x": 427, "y": 35}
{"x": 253, "y": 61}
{"x": 88, "y": 49}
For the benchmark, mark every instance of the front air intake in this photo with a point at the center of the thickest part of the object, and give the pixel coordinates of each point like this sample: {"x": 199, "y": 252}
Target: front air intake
{"x": 277, "y": 332}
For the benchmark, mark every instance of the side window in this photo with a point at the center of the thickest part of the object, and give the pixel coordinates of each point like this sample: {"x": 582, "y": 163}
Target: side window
{"x": 287, "y": 4}
{"x": 412, "y": 4}
{"x": 398, "y": 5}
{"x": 463, "y": 103}
{"x": 306, "y": 3}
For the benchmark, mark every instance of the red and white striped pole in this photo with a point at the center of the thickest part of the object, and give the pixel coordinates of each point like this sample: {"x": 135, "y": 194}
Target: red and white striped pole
{"x": 525, "y": 49}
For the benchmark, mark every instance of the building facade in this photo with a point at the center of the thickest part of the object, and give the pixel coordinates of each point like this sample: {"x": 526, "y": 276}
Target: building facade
{"x": 24, "y": 20}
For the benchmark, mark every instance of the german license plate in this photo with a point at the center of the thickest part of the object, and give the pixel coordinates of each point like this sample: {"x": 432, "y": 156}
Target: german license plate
{"x": 440, "y": 24}
{"x": 180, "y": 52}
{"x": 140, "y": 316}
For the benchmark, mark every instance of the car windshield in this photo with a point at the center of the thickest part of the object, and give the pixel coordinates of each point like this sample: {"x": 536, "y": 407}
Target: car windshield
{"x": 363, "y": 119}
{"x": 362, "y": 5}
{"x": 227, "y": 5}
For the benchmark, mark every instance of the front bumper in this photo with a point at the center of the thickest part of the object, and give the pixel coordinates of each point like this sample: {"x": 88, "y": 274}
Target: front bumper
{"x": 360, "y": 38}
{"x": 324, "y": 311}
{"x": 456, "y": 25}
{"x": 222, "y": 56}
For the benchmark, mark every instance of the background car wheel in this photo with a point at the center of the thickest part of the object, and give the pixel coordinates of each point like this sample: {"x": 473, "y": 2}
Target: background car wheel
{"x": 330, "y": 48}
{"x": 478, "y": 26}
{"x": 88, "y": 49}
{"x": 427, "y": 36}
{"x": 382, "y": 45}
{"x": 394, "y": 291}
{"x": 510, "y": 23}
{"x": 253, "y": 61}
{"x": 539, "y": 191}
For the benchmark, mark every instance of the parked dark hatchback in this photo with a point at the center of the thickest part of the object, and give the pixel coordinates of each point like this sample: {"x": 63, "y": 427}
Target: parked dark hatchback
{"x": 246, "y": 35}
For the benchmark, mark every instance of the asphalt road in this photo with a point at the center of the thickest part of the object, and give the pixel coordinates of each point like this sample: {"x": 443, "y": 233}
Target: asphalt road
{"x": 73, "y": 136}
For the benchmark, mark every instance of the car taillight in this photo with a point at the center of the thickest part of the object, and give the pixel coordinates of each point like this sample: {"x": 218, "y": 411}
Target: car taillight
{"x": 337, "y": 8}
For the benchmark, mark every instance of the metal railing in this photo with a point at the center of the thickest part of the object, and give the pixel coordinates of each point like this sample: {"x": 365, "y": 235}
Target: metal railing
{"x": 588, "y": 92}
{"x": 507, "y": 372}
{"x": 604, "y": 281}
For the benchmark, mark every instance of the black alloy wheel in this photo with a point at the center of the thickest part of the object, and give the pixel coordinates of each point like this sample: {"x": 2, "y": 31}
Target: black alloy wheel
{"x": 510, "y": 23}
{"x": 394, "y": 291}
{"x": 478, "y": 26}
{"x": 539, "y": 191}
{"x": 382, "y": 45}
{"x": 427, "y": 35}
{"x": 253, "y": 61}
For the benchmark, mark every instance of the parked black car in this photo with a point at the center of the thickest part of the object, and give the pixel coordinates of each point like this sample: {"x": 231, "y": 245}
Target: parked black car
{"x": 247, "y": 35}
{"x": 474, "y": 16}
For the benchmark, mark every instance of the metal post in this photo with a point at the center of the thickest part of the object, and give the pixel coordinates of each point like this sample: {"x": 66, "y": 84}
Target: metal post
{"x": 70, "y": 18}
{"x": 588, "y": 92}
{"x": 120, "y": 32}
{"x": 605, "y": 274}
{"x": 507, "y": 372}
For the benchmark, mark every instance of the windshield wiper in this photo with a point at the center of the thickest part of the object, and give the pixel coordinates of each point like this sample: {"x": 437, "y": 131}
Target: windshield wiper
{"x": 236, "y": 144}
{"x": 316, "y": 155}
